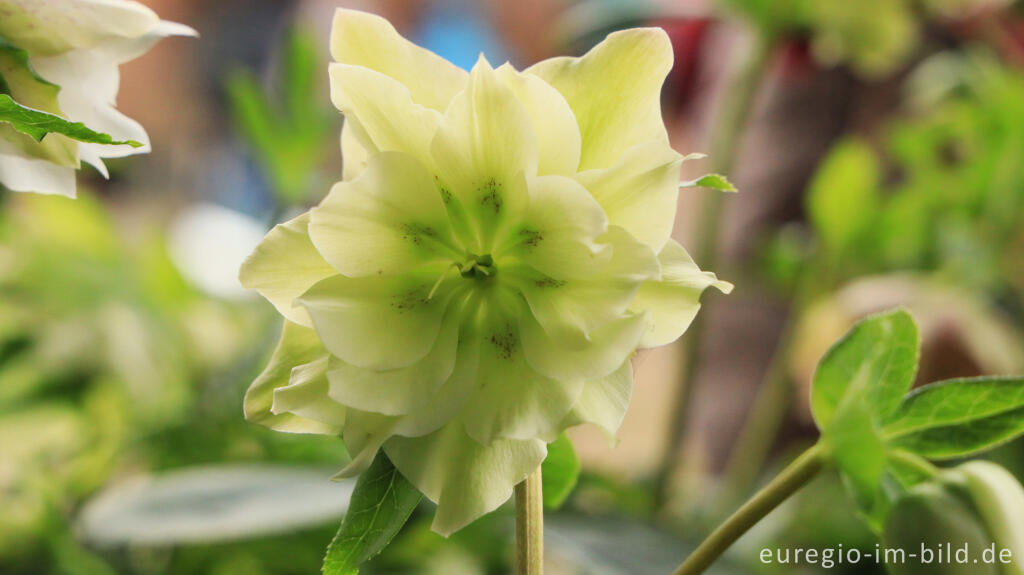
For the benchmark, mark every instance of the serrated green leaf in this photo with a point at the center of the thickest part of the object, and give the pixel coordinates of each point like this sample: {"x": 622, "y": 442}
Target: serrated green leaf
{"x": 382, "y": 502}
{"x": 559, "y": 472}
{"x": 843, "y": 197}
{"x": 959, "y": 417}
{"x": 876, "y": 359}
{"x": 710, "y": 181}
{"x": 38, "y": 124}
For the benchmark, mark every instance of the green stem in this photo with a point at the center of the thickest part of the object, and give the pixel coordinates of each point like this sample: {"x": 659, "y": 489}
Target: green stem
{"x": 798, "y": 474}
{"x": 530, "y": 526}
{"x": 726, "y": 134}
{"x": 920, "y": 464}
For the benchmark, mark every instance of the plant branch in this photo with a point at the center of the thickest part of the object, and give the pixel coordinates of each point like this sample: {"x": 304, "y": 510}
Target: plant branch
{"x": 530, "y": 526}
{"x": 795, "y": 476}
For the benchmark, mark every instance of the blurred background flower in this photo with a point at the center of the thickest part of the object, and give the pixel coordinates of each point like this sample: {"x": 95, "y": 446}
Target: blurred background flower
{"x": 879, "y": 164}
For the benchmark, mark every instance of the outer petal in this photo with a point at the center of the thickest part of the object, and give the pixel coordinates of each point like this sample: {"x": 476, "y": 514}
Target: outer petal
{"x": 284, "y": 266}
{"x": 672, "y": 302}
{"x": 305, "y": 395}
{"x": 386, "y": 117}
{"x": 570, "y": 310}
{"x": 615, "y": 92}
{"x": 558, "y": 135}
{"x": 512, "y": 400}
{"x": 23, "y": 174}
{"x": 465, "y": 479}
{"x": 354, "y": 156}
{"x": 604, "y": 401}
{"x": 484, "y": 147}
{"x": 609, "y": 346}
{"x": 397, "y": 391}
{"x": 298, "y": 346}
{"x": 639, "y": 192}
{"x": 557, "y": 236}
{"x": 364, "y": 434}
{"x": 378, "y": 322}
{"x": 56, "y": 26}
{"x": 386, "y": 221}
{"x": 367, "y": 40}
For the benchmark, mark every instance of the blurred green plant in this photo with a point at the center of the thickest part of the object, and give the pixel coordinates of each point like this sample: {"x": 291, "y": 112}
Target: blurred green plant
{"x": 286, "y": 128}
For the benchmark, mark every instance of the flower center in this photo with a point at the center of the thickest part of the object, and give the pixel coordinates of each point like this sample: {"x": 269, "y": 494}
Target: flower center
{"x": 479, "y": 267}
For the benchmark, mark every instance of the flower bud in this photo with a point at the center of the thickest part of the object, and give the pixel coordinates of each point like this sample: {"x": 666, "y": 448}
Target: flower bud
{"x": 969, "y": 520}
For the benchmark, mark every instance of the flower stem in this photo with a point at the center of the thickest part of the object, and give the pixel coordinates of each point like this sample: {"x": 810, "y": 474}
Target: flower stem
{"x": 725, "y": 139}
{"x": 530, "y": 526}
{"x": 795, "y": 476}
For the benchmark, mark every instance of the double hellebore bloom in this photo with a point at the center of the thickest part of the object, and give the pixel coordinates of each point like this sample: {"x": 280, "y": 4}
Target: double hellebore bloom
{"x": 61, "y": 57}
{"x": 497, "y": 251}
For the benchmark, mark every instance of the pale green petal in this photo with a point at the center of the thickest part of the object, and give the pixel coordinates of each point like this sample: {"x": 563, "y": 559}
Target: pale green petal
{"x": 604, "y": 401}
{"x": 397, "y": 391}
{"x": 672, "y": 302}
{"x": 284, "y": 266}
{"x": 56, "y": 26}
{"x": 483, "y": 150}
{"x": 447, "y": 401}
{"x": 608, "y": 347}
{"x": 512, "y": 400}
{"x": 558, "y": 234}
{"x": 386, "y": 221}
{"x": 354, "y": 156}
{"x": 386, "y": 118}
{"x": 615, "y": 92}
{"x": 298, "y": 346}
{"x": 465, "y": 479}
{"x": 558, "y": 135}
{"x": 639, "y": 192}
{"x": 569, "y": 310}
{"x": 378, "y": 322}
{"x": 364, "y": 434}
{"x": 306, "y": 396}
{"x": 367, "y": 40}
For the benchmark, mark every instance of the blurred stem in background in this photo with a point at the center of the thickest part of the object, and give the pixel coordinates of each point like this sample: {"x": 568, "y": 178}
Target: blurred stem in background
{"x": 726, "y": 135}
{"x": 530, "y": 525}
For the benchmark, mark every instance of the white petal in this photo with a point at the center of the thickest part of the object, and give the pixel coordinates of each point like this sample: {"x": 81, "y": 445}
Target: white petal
{"x": 284, "y": 266}
{"x": 388, "y": 220}
{"x": 22, "y": 174}
{"x": 367, "y": 40}
{"x": 672, "y": 302}
{"x": 607, "y": 348}
{"x": 604, "y": 401}
{"x": 306, "y": 396}
{"x": 465, "y": 478}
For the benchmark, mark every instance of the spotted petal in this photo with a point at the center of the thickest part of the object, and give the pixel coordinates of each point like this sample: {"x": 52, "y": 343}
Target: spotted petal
{"x": 465, "y": 478}
{"x": 386, "y": 221}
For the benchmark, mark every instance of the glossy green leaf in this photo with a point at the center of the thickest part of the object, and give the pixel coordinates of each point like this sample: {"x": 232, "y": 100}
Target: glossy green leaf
{"x": 959, "y": 417}
{"x": 710, "y": 181}
{"x": 559, "y": 472}
{"x": 876, "y": 359}
{"x": 381, "y": 504}
{"x": 37, "y": 124}
{"x": 843, "y": 197}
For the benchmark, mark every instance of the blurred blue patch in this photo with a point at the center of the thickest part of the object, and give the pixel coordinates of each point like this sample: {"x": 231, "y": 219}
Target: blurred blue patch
{"x": 458, "y": 32}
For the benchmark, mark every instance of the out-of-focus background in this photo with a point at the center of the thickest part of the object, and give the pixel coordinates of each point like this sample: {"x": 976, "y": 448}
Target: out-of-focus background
{"x": 881, "y": 163}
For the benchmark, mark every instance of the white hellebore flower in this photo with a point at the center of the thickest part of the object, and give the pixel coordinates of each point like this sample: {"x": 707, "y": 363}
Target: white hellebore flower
{"x": 498, "y": 250}
{"x": 62, "y": 57}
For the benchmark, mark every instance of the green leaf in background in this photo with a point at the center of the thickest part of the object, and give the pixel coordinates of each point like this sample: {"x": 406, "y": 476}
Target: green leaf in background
{"x": 859, "y": 452}
{"x": 843, "y": 196}
{"x": 37, "y": 124}
{"x": 710, "y": 181}
{"x": 286, "y": 134}
{"x": 560, "y": 471}
{"x": 959, "y": 417}
{"x": 380, "y": 506}
{"x": 876, "y": 360}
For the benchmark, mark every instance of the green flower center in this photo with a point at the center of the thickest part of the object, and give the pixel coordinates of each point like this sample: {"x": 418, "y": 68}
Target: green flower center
{"x": 479, "y": 267}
